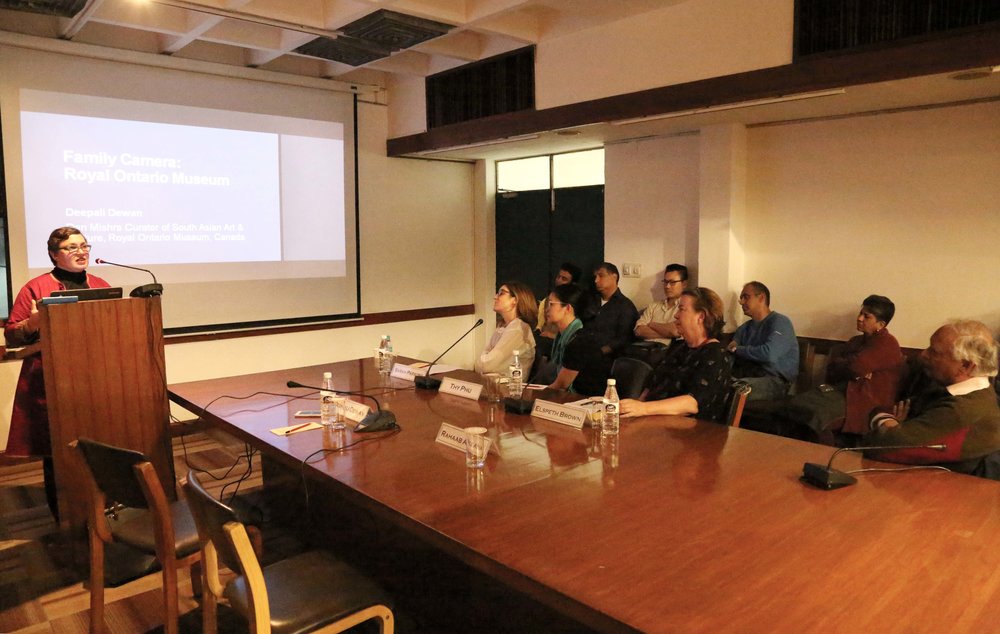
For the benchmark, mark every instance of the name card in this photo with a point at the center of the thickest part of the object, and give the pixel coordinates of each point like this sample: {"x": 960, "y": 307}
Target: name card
{"x": 566, "y": 414}
{"x": 405, "y": 372}
{"x": 355, "y": 411}
{"x": 460, "y": 388}
{"x": 454, "y": 437}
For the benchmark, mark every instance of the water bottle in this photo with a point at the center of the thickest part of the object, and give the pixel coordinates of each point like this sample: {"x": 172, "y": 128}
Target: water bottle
{"x": 385, "y": 355}
{"x": 327, "y": 405}
{"x": 609, "y": 417}
{"x": 515, "y": 384}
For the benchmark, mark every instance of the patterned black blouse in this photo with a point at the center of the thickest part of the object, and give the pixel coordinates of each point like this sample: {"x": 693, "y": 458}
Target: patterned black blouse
{"x": 704, "y": 373}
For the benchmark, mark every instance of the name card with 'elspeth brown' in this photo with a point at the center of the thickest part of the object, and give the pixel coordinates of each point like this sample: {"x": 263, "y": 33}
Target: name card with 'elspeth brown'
{"x": 559, "y": 413}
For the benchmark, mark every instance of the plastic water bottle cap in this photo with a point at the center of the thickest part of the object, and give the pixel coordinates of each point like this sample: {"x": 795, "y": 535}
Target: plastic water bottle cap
{"x": 612, "y": 382}
{"x": 328, "y": 375}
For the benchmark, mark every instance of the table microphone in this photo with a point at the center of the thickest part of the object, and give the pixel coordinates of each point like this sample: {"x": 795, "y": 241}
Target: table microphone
{"x": 378, "y": 420}
{"x": 827, "y": 478}
{"x": 146, "y": 290}
{"x": 427, "y": 382}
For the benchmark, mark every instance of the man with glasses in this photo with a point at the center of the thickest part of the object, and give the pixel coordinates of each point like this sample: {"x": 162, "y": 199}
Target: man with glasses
{"x": 766, "y": 350}
{"x": 656, "y": 324}
{"x": 29, "y": 420}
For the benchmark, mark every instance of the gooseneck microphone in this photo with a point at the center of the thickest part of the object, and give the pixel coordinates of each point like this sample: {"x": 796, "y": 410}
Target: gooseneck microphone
{"x": 146, "y": 290}
{"x": 828, "y": 478}
{"x": 377, "y": 420}
{"x": 427, "y": 382}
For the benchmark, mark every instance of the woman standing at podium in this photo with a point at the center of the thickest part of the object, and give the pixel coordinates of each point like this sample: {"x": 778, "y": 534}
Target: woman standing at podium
{"x": 29, "y": 421}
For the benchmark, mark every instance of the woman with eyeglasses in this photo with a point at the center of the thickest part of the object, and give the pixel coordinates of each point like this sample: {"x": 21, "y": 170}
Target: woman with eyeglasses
{"x": 694, "y": 378}
{"x": 579, "y": 364}
{"x": 516, "y": 309}
{"x": 29, "y": 421}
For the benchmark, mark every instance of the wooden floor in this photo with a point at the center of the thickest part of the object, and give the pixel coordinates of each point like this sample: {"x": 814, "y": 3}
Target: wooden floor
{"x": 42, "y": 585}
{"x": 42, "y": 589}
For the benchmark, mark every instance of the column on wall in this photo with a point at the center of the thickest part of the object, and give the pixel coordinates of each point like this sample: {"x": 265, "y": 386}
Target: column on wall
{"x": 484, "y": 260}
{"x": 722, "y": 213}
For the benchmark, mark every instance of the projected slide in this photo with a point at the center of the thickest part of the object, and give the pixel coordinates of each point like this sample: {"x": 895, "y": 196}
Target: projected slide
{"x": 238, "y": 195}
{"x": 179, "y": 193}
{"x": 176, "y": 188}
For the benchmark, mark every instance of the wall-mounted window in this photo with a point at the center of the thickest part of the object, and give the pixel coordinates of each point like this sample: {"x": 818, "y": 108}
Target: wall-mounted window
{"x": 549, "y": 210}
{"x": 572, "y": 169}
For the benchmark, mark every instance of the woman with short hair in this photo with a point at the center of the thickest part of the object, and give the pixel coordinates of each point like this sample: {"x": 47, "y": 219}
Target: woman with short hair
{"x": 29, "y": 420}
{"x": 693, "y": 379}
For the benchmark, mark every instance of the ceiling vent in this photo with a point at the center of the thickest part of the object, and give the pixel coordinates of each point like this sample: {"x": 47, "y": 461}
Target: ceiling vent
{"x": 61, "y": 8}
{"x": 395, "y": 31}
{"x": 373, "y": 37}
{"x": 346, "y": 50}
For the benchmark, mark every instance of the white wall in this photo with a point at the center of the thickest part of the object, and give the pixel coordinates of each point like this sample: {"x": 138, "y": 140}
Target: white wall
{"x": 905, "y": 205}
{"x": 680, "y": 43}
{"x": 683, "y": 42}
{"x": 651, "y": 210}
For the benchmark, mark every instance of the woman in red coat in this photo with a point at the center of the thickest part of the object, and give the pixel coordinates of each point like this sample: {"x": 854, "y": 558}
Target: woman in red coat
{"x": 29, "y": 421}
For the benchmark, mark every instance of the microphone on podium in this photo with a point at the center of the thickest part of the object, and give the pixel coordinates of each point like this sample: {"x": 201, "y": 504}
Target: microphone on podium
{"x": 146, "y": 290}
{"x": 377, "y": 420}
{"x": 827, "y": 478}
{"x": 427, "y": 382}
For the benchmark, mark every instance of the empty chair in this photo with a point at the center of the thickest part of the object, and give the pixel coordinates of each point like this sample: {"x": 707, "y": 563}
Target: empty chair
{"x": 630, "y": 376}
{"x": 127, "y": 505}
{"x": 737, "y": 401}
{"x": 309, "y": 592}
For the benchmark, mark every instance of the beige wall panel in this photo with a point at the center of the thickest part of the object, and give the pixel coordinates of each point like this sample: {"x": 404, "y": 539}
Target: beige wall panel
{"x": 905, "y": 205}
{"x": 651, "y": 210}
{"x": 681, "y": 43}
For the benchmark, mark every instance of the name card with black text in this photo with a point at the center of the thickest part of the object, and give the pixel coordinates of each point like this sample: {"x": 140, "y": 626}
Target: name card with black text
{"x": 403, "y": 371}
{"x": 559, "y": 413}
{"x": 460, "y": 388}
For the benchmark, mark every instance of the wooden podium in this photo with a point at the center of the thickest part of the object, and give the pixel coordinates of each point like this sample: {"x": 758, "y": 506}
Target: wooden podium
{"x": 105, "y": 379}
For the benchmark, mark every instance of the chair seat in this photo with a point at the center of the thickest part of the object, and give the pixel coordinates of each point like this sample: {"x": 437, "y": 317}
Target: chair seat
{"x": 309, "y": 591}
{"x": 135, "y": 528}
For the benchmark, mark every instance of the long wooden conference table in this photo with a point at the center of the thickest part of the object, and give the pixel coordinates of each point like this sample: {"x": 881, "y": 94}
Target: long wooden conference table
{"x": 684, "y": 526}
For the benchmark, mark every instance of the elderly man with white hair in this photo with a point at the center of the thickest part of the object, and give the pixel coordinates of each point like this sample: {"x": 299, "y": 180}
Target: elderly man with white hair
{"x": 964, "y": 415}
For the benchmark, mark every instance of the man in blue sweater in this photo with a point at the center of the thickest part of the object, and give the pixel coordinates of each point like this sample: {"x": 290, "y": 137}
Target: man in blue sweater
{"x": 766, "y": 350}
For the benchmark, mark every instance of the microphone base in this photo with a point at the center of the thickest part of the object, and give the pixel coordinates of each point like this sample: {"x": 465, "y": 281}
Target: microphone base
{"x": 381, "y": 420}
{"x": 518, "y": 405}
{"x": 822, "y": 477}
{"x": 147, "y": 290}
{"x": 426, "y": 382}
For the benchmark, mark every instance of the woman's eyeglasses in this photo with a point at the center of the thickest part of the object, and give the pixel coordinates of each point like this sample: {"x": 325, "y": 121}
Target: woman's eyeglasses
{"x": 75, "y": 248}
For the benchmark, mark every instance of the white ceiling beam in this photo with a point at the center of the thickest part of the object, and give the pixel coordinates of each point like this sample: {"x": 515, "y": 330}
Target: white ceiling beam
{"x": 80, "y": 19}
{"x": 463, "y": 45}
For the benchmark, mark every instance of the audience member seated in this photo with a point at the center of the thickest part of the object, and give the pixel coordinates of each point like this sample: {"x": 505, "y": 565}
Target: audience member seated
{"x": 766, "y": 350}
{"x": 656, "y": 323}
{"x": 516, "y": 310}
{"x": 615, "y": 318}
{"x": 961, "y": 358}
{"x": 569, "y": 273}
{"x": 578, "y": 362}
{"x": 695, "y": 377}
{"x": 861, "y": 376}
